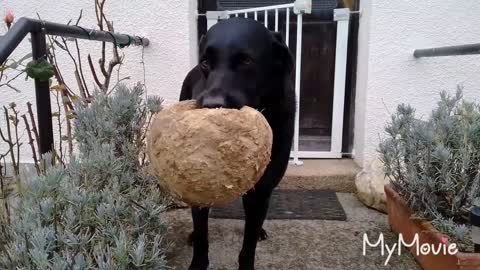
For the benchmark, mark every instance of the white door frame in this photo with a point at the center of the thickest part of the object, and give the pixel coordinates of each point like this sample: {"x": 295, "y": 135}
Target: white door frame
{"x": 301, "y": 7}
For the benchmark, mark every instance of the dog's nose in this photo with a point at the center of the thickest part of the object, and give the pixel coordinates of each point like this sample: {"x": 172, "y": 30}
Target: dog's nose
{"x": 214, "y": 102}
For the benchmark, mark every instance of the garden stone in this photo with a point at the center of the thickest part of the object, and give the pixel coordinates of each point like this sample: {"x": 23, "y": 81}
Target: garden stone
{"x": 370, "y": 184}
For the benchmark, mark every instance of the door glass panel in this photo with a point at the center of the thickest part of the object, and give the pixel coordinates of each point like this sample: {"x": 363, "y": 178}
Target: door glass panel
{"x": 317, "y": 77}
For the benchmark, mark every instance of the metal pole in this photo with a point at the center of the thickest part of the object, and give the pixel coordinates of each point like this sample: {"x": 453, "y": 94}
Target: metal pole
{"x": 300, "y": 7}
{"x": 448, "y": 51}
{"x": 42, "y": 93}
{"x": 298, "y": 64}
{"x": 342, "y": 17}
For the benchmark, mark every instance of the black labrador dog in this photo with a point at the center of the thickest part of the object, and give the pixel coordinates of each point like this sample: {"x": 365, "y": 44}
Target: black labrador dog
{"x": 244, "y": 64}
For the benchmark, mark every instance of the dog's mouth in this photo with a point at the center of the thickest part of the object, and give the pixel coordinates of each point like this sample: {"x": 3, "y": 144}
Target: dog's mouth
{"x": 215, "y": 102}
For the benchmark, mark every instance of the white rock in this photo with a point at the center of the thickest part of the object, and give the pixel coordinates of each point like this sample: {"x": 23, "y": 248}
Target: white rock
{"x": 370, "y": 184}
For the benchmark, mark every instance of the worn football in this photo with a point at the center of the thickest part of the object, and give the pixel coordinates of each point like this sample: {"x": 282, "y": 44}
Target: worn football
{"x": 207, "y": 157}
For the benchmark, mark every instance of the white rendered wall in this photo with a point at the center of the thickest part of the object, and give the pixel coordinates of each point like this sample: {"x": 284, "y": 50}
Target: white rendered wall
{"x": 170, "y": 25}
{"x": 388, "y": 74}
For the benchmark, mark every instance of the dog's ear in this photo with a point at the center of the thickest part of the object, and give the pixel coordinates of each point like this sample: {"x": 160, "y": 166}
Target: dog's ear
{"x": 282, "y": 53}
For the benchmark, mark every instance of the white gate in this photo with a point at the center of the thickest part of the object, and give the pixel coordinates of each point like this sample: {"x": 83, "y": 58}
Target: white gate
{"x": 299, "y": 8}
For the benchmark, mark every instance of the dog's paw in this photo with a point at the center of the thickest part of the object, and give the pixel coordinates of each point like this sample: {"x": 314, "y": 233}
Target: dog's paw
{"x": 194, "y": 267}
{"x": 197, "y": 267}
{"x": 248, "y": 266}
{"x": 262, "y": 235}
{"x": 199, "y": 263}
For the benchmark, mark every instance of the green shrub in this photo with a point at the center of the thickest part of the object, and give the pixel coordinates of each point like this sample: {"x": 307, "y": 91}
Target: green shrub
{"x": 434, "y": 163}
{"x": 100, "y": 211}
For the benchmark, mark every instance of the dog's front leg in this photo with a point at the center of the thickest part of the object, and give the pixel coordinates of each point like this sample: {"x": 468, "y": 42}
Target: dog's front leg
{"x": 200, "y": 239}
{"x": 255, "y": 204}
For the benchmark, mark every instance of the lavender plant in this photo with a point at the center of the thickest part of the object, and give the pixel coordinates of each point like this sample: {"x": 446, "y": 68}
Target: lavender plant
{"x": 434, "y": 163}
{"x": 100, "y": 211}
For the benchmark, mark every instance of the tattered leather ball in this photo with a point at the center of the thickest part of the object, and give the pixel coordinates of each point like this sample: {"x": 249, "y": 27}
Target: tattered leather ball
{"x": 207, "y": 157}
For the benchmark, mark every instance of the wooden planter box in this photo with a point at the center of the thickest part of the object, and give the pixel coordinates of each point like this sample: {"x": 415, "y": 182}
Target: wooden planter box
{"x": 401, "y": 221}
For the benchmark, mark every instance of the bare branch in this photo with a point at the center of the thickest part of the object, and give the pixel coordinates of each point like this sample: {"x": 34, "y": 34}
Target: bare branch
{"x": 79, "y": 17}
{"x": 83, "y": 93}
{"x": 80, "y": 59}
{"x": 12, "y": 79}
{"x": 9, "y": 141}
{"x": 94, "y": 73}
{"x": 34, "y": 125}
{"x": 18, "y": 144}
{"x": 144, "y": 73}
{"x": 100, "y": 15}
{"x": 52, "y": 57}
{"x": 116, "y": 59}
{"x": 32, "y": 145}
{"x": 4, "y": 194}
{"x": 66, "y": 94}
{"x": 60, "y": 141}
{"x": 117, "y": 83}
{"x": 87, "y": 93}
{"x": 80, "y": 85}
{"x": 101, "y": 61}
{"x": 1, "y": 72}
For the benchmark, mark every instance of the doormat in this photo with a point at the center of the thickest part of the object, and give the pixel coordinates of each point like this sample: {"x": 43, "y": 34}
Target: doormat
{"x": 291, "y": 204}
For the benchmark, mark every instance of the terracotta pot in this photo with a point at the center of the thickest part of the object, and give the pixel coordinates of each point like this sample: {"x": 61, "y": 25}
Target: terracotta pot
{"x": 401, "y": 220}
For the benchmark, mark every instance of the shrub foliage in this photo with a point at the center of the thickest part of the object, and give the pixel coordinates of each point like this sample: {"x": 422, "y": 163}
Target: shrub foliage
{"x": 100, "y": 211}
{"x": 434, "y": 163}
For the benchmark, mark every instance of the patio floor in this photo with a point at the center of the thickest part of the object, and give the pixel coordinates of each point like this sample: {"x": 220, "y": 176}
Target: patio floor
{"x": 296, "y": 244}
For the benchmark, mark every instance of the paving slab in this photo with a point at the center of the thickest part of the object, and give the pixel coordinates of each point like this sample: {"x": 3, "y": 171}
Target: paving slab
{"x": 295, "y": 244}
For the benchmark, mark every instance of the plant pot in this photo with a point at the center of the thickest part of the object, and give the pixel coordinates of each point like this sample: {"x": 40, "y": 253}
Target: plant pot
{"x": 401, "y": 220}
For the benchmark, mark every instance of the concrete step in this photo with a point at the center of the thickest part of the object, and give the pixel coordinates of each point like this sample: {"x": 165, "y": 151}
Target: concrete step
{"x": 326, "y": 174}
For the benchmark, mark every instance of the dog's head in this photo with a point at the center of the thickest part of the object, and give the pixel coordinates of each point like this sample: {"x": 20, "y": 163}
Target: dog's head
{"x": 243, "y": 62}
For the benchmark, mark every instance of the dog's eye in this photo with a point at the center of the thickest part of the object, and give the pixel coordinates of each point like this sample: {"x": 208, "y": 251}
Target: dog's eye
{"x": 247, "y": 61}
{"x": 205, "y": 64}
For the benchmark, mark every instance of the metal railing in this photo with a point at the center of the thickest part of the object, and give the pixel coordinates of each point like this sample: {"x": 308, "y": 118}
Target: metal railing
{"x": 38, "y": 29}
{"x": 448, "y": 51}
